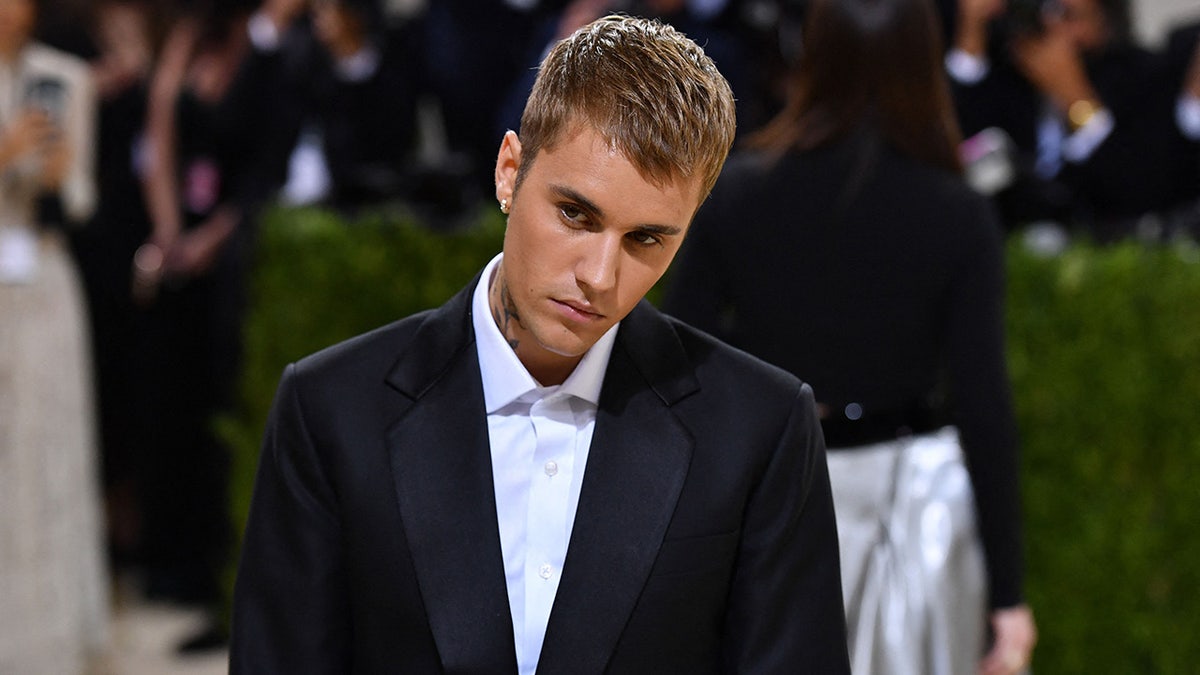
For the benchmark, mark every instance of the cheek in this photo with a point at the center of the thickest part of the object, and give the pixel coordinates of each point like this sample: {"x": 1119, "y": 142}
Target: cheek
{"x": 638, "y": 277}
{"x": 542, "y": 248}
{"x": 530, "y": 262}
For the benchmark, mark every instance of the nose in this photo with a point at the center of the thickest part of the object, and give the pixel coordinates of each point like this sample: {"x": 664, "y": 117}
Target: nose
{"x": 599, "y": 266}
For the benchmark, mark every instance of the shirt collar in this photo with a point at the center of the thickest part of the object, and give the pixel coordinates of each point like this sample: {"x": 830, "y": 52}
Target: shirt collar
{"x": 505, "y": 379}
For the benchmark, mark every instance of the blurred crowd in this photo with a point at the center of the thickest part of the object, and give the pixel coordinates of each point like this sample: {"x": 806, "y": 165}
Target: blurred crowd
{"x": 208, "y": 111}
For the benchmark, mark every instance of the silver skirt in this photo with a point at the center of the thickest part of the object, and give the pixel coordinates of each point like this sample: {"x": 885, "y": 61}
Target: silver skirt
{"x": 913, "y": 574}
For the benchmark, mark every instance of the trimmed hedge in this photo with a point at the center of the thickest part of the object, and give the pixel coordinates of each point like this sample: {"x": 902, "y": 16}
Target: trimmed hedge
{"x": 1104, "y": 350}
{"x": 320, "y": 278}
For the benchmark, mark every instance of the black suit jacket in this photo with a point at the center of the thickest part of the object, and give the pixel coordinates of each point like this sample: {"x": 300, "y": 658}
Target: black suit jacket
{"x": 886, "y": 291}
{"x": 1182, "y": 43}
{"x": 704, "y": 539}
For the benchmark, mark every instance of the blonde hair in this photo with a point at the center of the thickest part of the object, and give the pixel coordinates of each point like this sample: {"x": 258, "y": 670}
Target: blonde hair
{"x": 647, "y": 89}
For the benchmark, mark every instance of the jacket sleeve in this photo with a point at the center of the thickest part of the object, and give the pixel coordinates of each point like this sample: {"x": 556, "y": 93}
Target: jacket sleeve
{"x": 291, "y": 608}
{"x": 785, "y": 605}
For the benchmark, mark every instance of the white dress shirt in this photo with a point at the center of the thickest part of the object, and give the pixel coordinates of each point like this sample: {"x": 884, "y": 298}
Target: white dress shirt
{"x": 539, "y": 439}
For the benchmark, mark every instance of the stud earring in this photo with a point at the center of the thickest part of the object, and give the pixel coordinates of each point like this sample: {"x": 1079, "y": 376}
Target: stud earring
{"x": 504, "y": 206}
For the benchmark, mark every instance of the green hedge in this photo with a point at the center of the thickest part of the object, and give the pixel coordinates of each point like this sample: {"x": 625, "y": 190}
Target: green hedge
{"x": 1104, "y": 349}
{"x": 319, "y": 279}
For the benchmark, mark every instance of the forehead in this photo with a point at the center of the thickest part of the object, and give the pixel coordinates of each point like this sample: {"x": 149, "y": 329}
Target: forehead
{"x": 1079, "y": 8}
{"x": 583, "y": 161}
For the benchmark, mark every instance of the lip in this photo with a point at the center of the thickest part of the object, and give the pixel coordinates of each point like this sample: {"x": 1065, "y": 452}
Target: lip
{"x": 578, "y": 311}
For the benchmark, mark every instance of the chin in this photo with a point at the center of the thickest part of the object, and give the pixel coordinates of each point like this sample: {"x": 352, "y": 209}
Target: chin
{"x": 565, "y": 349}
{"x": 565, "y": 343}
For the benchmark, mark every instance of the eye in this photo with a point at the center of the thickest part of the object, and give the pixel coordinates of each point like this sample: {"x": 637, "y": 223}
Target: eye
{"x": 573, "y": 214}
{"x": 643, "y": 238}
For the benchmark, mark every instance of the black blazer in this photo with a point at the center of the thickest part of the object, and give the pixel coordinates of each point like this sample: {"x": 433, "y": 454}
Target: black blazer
{"x": 704, "y": 539}
{"x": 878, "y": 279}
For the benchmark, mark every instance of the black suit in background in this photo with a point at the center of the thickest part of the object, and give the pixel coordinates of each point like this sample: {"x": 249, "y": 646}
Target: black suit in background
{"x": 473, "y": 53}
{"x": 1182, "y": 45}
{"x": 704, "y": 539}
{"x": 872, "y": 276}
{"x": 367, "y": 124}
{"x": 1124, "y": 178}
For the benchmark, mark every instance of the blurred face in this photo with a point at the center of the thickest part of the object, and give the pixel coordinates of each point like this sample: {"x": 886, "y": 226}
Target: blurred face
{"x": 16, "y": 23}
{"x": 587, "y": 236}
{"x": 1081, "y": 21}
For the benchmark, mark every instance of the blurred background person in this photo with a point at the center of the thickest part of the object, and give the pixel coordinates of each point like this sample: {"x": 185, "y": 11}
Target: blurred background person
{"x": 364, "y": 97}
{"x": 346, "y": 111}
{"x": 205, "y": 179}
{"x": 473, "y": 51}
{"x": 52, "y": 583}
{"x": 1182, "y": 55}
{"x": 1088, "y": 111}
{"x": 123, "y": 39}
{"x": 845, "y": 247}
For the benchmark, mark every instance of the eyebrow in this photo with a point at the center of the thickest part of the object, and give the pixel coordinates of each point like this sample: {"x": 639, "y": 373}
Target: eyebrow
{"x": 590, "y": 206}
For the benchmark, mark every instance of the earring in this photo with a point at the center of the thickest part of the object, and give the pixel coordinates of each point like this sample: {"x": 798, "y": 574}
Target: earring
{"x": 504, "y": 206}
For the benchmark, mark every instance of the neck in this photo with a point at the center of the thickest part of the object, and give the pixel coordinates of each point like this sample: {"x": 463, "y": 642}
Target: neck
{"x": 545, "y": 366}
{"x": 554, "y": 370}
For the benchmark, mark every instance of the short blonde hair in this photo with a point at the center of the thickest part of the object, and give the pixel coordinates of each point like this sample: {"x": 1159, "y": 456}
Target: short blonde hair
{"x": 646, "y": 88}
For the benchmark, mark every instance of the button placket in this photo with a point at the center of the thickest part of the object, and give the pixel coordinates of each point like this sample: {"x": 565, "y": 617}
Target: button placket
{"x": 549, "y": 491}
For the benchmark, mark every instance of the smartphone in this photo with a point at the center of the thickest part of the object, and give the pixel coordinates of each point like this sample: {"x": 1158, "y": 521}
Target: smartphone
{"x": 48, "y": 95}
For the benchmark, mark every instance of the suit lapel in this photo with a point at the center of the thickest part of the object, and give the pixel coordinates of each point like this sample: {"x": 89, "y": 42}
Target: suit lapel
{"x": 636, "y": 468}
{"x": 442, "y": 469}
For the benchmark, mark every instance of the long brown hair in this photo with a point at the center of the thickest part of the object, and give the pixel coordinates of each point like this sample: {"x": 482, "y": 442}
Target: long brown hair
{"x": 874, "y": 64}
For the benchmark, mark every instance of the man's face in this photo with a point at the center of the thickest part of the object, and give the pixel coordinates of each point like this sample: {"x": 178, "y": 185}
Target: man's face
{"x": 1082, "y": 22}
{"x": 587, "y": 237}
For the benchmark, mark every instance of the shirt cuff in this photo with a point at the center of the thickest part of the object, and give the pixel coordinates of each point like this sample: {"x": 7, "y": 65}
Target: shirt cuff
{"x": 966, "y": 68}
{"x": 1187, "y": 116}
{"x": 359, "y": 66}
{"x": 264, "y": 35}
{"x": 1079, "y": 146}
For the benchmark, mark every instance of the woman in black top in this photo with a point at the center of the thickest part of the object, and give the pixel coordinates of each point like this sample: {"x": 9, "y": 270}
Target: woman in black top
{"x": 845, "y": 247}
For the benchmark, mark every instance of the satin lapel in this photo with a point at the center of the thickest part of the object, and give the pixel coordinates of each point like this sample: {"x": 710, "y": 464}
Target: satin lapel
{"x": 442, "y": 468}
{"x": 636, "y": 468}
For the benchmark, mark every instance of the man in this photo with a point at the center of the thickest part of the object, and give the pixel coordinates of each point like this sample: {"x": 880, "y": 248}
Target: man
{"x": 341, "y": 89}
{"x": 546, "y": 473}
{"x": 1086, "y": 108}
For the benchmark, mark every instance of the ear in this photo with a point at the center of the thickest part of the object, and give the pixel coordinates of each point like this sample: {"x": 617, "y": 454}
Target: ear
{"x": 508, "y": 161}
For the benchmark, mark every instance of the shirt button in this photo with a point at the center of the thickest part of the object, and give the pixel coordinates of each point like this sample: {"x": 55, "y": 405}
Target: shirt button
{"x": 551, "y": 468}
{"x": 546, "y": 571}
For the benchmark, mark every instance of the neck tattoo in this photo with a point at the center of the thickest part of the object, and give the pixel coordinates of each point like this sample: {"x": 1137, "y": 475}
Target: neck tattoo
{"x": 504, "y": 312}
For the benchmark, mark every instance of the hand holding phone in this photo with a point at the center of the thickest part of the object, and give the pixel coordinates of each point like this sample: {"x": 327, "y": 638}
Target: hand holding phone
{"x": 45, "y": 100}
{"x": 46, "y": 95}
